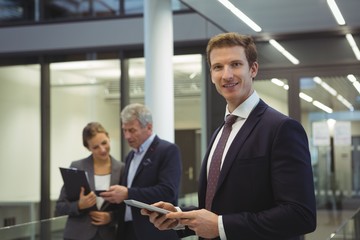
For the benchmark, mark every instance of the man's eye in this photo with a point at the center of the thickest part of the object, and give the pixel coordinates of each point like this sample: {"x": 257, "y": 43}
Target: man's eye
{"x": 217, "y": 68}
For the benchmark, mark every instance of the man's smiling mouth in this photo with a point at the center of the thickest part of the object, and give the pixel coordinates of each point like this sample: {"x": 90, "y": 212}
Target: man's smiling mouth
{"x": 228, "y": 85}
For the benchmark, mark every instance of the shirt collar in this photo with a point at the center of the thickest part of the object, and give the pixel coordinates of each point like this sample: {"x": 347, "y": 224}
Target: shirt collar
{"x": 146, "y": 144}
{"x": 243, "y": 110}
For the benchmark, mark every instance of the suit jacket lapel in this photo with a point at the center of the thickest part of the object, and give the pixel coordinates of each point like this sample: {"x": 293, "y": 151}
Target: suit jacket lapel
{"x": 115, "y": 172}
{"x": 89, "y": 168}
{"x": 127, "y": 166}
{"x": 114, "y": 179}
{"x": 240, "y": 138}
{"x": 145, "y": 161}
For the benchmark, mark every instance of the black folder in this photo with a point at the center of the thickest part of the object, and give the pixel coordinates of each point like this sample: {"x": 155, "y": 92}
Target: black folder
{"x": 74, "y": 179}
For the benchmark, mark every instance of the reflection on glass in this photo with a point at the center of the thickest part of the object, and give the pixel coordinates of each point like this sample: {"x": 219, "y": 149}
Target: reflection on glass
{"x": 350, "y": 229}
{"x": 274, "y": 92}
{"x": 330, "y": 111}
{"x": 80, "y": 93}
{"x": 17, "y": 11}
{"x": 49, "y": 229}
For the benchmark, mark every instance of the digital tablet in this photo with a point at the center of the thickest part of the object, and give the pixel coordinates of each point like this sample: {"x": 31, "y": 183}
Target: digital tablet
{"x": 149, "y": 207}
{"x": 74, "y": 179}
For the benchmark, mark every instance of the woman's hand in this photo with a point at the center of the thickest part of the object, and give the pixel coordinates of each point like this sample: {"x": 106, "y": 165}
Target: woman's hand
{"x": 100, "y": 218}
{"x": 86, "y": 201}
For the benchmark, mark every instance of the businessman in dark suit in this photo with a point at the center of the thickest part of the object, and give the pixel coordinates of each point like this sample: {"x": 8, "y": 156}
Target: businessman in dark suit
{"x": 265, "y": 186}
{"x": 152, "y": 174}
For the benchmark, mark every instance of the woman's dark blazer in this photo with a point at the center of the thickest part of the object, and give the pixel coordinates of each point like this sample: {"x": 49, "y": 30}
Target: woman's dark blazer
{"x": 78, "y": 225}
{"x": 265, "y": 188}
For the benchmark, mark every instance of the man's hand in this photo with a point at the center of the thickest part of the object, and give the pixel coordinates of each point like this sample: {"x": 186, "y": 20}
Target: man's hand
{"x": 159, "y": 220}
{"x": 86, "y": 201}
{"x": 100, "y": 218}
{"x": 115, "y": 194}
{"x": 203, "y": 222}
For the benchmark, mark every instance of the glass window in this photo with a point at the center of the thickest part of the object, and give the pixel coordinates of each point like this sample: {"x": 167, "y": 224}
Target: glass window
{"x": 55, "y": 9}
{"x": 20, "y": 152}
{"x": 80, "y": 93}
{"x": 137, "y": 6}
{"x": 17, "y": 11}
{"x": 330, "y": 111}
{"x": 75, "y": 9}
{"x": 274, "y": 92}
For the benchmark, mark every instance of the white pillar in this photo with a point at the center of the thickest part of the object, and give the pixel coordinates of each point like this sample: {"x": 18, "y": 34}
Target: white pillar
{"x": 159, "y": 79}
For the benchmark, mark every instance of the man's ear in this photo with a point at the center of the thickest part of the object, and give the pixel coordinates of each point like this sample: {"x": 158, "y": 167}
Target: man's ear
{"x": 211, "y": 77}
{"x": 254, "y": 70}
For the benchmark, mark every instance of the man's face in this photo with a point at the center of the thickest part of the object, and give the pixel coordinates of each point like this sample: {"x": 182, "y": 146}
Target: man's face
{"x": 134, "y": 134}
{"x": 99, "y": 146}
{"x": 232, "y": 75}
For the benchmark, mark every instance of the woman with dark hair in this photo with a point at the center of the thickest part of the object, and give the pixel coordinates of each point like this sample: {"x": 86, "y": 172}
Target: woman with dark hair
{"x": 91, "y": 217}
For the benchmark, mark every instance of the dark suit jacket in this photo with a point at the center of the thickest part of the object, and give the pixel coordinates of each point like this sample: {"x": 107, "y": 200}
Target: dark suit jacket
{"x": 78, "y": 225}
{"x": 265, "y": 188}
{"x": 157, "y": 179}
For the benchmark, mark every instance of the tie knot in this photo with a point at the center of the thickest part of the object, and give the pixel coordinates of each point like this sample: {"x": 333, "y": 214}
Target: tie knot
{"x": 230, "y": 119}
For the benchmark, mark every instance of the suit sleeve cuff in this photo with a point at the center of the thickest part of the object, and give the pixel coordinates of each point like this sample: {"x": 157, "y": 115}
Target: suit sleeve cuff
{"x": 179, "y": 226}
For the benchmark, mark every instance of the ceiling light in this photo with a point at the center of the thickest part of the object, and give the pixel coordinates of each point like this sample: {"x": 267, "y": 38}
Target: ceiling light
{"x": 193, "y": 75}
{"x": 357, "y": 86}
{"x": 354, "y": 81}
{"x": 241, "y": 15}
{"x": 317, "y": 80}
{"x": 305, "y": 97}
{"x": 322, "y": 107}
{"x": 351, "y": 78}
{"x": 277, "y": 82}
{"x": 353, "y": 45}
{"x": 345, "y": 102}
{"x": 329, "y": 89}
{"x": 282, "y": 50}
{"x": 333, "y": 92}
{"x": 336, "y": 12}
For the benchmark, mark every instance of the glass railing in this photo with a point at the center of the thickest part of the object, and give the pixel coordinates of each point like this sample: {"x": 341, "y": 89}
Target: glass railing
{"x": 49, "y": 229}
{"x": 52, "y": 229}
{"x": 350, "y": 230}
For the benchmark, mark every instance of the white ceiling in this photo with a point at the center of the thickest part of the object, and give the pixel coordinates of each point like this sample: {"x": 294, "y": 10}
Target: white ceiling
{"x": 306, "y": 28}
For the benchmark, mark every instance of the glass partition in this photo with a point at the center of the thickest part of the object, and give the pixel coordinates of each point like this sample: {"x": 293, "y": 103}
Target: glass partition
{"x": 330, "y": 110}
{"x": 49, "y": 229}
{"x": 80, "y": 93}
{"x": 274, "y": 92}
{"x": 20, "y": 152}
{"x": 350, "y": 230}
{"x": 15, "y": 11}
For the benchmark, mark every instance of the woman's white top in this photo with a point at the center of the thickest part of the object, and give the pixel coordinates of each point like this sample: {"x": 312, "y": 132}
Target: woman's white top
{"x": 102, "y": 182}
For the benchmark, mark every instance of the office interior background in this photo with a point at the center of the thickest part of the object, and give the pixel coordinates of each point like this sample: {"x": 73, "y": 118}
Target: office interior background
{"x": 64, "y": 63}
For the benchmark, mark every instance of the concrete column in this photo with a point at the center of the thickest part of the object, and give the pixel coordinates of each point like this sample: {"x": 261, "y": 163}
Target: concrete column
{"x": 159, "y": 79}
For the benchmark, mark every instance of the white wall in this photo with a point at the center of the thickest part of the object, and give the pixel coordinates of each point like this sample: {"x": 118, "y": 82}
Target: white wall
{"x": 20, "y": 141}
